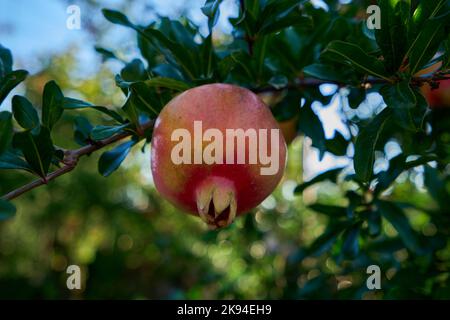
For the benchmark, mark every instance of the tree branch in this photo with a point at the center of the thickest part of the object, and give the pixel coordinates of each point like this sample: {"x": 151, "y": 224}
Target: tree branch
{"x": 70, "y": 161}
{"x": 313, "y": 82}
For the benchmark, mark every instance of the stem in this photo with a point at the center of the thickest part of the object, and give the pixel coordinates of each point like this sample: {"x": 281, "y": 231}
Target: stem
{"x": 70, "y": 161}
{"x": 313, "y": 82}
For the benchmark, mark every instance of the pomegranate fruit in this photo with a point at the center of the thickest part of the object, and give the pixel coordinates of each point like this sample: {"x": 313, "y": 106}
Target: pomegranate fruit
{"x": 225, "y": 171}
{"x": 439, "y": 97}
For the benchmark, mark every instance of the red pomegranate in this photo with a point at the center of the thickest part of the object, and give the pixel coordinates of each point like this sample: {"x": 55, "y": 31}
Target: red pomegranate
{"x": 437, "y": 98}
{"x": 217, "y": 152}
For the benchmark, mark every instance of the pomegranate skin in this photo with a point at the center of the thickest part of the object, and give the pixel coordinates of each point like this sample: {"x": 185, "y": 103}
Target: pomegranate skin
{"x": 215, "y": 192}
{"x": 437, "y": 98}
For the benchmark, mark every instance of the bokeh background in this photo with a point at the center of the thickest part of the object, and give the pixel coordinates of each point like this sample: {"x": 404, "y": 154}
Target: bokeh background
{"x": 132, "y": 244}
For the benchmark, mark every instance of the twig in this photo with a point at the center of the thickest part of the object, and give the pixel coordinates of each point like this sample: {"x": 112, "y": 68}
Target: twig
{"x": 70, "y": 161}
{"x": 313, "y": 82}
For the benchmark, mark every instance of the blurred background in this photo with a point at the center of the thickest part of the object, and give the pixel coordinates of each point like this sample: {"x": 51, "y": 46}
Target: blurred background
{"x": 132, "y": 244}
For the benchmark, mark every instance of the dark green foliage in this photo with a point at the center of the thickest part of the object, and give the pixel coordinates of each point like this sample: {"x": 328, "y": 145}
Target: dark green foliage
{"x": 396, "y": 217}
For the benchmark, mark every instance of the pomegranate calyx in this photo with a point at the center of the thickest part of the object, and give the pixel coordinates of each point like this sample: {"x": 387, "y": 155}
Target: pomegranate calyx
{"x": 216, "y": 202}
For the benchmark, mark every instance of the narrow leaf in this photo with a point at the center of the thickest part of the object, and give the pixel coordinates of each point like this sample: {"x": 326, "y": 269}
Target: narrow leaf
{"x": 330, "y": 175}
{"x": 168, "y": 83}
{"x": 395, "y": 215}
{"x": 71, "y": 103}
{"x": 361, "y": 61}
{"x": 365, "y": 146}
{"x": 117, "y": 18}
{"x": 103, "y": 132}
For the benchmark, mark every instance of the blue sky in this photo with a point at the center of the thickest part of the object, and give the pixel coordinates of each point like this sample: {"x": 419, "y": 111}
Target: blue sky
{"x": 35, "y": 29}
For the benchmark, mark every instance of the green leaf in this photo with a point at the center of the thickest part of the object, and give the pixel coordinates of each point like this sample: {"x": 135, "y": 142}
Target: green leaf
{"x": 11, "y": 160}
{"x": 330, "y": 175}
{"x": 350, "y": 247}
{"x": 6, "y": 60}
{"x": 10, "y": 81}
{"x": 212, "y": 11}
{"x": 395, "y": 215}
{"x": 103, "y": 132}
{"x": 24, "y": 112}
{"x": 426, "y": 10}
{"x": 386, "y": 178}
{"x": 311, "y": 126}
{"x": 328, "y": 238}
{"x": 6, "y": 130}
{"x": 160, "y": 82}
{"x": 356, "y": 57}
{"x": 117, "y": 17}
{"x": 422, "y": 27}
{"x": 82, "y": 130}
{"x": 407, "y": 105}
{"x": 365, "y": 146}
{"x": 175, "y": 53}
{"x": 37, "y": 149}
{"x": 436, "y": 185}
{"x": 2, "y": 70}
{"x": 141, "y": 98}
{"x": 325, "y": 72}
{"x": 71, "y": 103}
{"x": 130, "y": 109}
{"x": 134, "y": 71}
{"x": 293, "y": 16}
{"x": 392, "y": 36}
{"x": 111, "y": 160}
{"x": 7, "y": 210}
{"x": 278, "y": 81}
{"x": 374, "y": 222}
{"x": 52, "y": 104}
{"x": 355, "y": 97}
{"x": 337, "y": 145}
{"x": 425, "y": 46}
{"x": 106, "y": 54}
{"x": 333, "y": 211}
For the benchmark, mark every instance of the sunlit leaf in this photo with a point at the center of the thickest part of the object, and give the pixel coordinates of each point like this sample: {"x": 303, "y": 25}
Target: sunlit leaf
{"x": 365, "y": 146}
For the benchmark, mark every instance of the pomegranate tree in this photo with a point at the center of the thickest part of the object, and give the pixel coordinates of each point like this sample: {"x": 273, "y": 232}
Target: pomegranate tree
{"x": 217, "y": 152}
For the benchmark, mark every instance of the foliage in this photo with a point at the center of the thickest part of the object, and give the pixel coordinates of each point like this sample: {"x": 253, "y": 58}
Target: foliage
{"x": 288, "y": 48}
